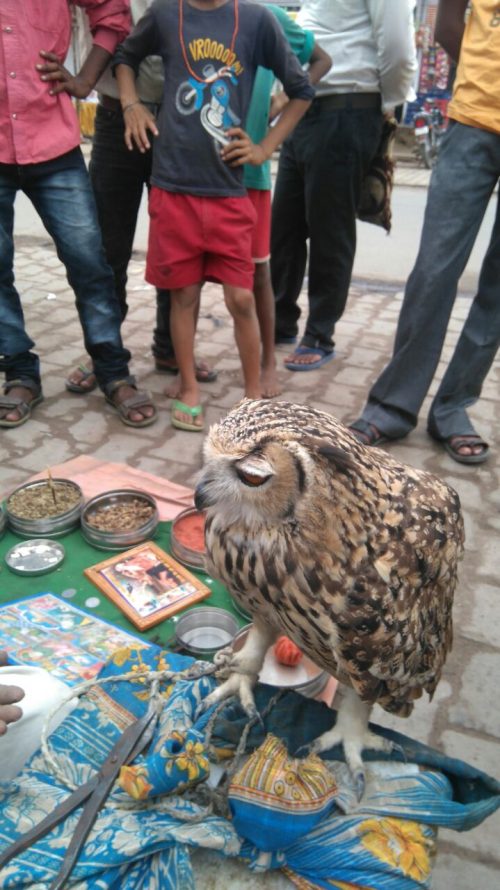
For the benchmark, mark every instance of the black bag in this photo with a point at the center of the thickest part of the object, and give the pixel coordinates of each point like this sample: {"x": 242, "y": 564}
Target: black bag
{"x": 376, "y": 190}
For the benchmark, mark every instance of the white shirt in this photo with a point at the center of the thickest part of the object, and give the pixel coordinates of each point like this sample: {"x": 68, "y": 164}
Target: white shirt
{"x": 371, "y": 42}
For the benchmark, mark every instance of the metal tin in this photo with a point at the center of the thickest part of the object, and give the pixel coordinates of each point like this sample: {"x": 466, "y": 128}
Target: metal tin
{"x": 193, "y": 559}
{"x": 3, "y": 520}
{"x": 51, "y": 526}
{"x": 204, "y": 630}
{"x": 305, "y": 677}
{"x": 118, "y": 539}
{"x": 35, "y": 557}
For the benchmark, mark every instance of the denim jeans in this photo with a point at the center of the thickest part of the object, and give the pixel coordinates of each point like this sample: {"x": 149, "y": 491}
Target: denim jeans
{"x": 61, "y": 194}
{"x": 462, "y": 183}
{"x": 118, "y": 178}
{"x": 321, "y": 169}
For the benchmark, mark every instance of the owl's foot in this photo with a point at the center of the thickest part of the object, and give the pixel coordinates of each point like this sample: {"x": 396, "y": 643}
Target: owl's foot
{"x": 240, "y": 670}
{"x": 351, "y": 731}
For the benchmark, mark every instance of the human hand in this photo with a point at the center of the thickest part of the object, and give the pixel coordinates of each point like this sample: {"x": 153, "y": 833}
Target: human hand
{"x": 138, "y": 120}
{"x": 241, "y": 150}
{"x": 61, "y": 80}
{"x": 9, "y": 712}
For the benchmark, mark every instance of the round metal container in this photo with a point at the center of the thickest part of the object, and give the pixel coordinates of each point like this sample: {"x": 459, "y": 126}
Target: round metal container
{"x": 3, "y": 520}
{"x": 118, "y": 539}
{"x": 50, "y": 526}
{"x": 205, "y": 630}
{"x": 188, "y": 556}
{"x": 305, "y": 677}
{"x": 35, "y": 557}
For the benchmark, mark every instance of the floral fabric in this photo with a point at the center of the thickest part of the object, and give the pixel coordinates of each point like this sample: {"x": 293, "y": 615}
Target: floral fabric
{"x": 157, "y": 812}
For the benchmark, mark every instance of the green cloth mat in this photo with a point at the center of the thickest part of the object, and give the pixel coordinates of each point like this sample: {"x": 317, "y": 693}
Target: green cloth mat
{"x": 79, "y": 556}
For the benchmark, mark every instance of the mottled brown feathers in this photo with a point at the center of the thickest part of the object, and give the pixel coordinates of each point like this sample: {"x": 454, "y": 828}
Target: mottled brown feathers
{"x": 347, "y": 551}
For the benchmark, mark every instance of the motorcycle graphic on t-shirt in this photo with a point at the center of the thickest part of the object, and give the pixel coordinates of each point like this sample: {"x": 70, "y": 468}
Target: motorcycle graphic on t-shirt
{"x": 211, "y": 98}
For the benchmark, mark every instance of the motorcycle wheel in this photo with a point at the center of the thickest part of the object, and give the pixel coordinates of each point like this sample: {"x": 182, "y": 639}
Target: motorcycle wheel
{"x": 427, "y": 154}
{"x": 185, "y": 98}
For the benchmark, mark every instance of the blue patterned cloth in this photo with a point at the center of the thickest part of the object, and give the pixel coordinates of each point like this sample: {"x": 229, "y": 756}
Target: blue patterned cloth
{"x": 142, "y": 837}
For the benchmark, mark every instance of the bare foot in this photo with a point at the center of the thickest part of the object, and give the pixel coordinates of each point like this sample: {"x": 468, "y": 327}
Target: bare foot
{"x": 308, "y": 358}
{"x": 82, "y": 379}
{"x": 137, "y": 414}
{"x": 269, "y": 383}
{"x": 466, "y": 450}
{"x": 173, "y": 391}
{"x": 16, "y": 392}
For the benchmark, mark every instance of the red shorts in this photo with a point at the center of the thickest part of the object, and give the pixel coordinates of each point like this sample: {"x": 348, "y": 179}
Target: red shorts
{"x": 261, "y": 239}
{"x": 194, "y": 239}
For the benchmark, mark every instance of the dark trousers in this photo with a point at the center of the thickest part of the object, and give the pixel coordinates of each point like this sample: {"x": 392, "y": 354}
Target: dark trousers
{"x": 61, "y": 194}
{"x": 118, "y": 178}
{"x": 321, "y": 169}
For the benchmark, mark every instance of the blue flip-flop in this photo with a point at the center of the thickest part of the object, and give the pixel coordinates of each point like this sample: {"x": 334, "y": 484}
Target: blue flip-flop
{"x": 311, "y": 366}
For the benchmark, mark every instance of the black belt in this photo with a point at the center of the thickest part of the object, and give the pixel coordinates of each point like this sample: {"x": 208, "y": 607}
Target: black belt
{"x": 348, "y": 100}
{"x": 112, "y": 104}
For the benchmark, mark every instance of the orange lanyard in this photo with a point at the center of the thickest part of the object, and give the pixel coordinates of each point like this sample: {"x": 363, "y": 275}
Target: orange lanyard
{"x": 183, "y": 46}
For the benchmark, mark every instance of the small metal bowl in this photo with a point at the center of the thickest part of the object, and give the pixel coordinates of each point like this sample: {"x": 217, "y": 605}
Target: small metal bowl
{"x": 3, "y": 520}
{"x": 35, "y": 557}
{"x": 50, "y": 526}
{"x": 189, "y": 556}
{"x": 118, "y": 539}
{"x": 305, "y": 677}
{"x": 205, "y": 630}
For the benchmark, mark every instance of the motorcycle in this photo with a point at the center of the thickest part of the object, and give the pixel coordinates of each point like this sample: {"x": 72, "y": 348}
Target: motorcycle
{"x": 429, "y": 128}
{"x": 211, "y": 98}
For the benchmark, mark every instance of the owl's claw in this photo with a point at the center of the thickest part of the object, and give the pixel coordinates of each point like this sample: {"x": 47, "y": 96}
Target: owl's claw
{"x": 359, "y": 780}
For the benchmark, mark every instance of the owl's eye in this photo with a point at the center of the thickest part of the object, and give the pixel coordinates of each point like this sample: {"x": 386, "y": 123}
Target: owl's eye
{"x": 252, "y": 479}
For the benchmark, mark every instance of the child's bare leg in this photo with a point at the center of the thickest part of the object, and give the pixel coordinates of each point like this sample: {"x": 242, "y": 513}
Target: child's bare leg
{"x": 264, "y": 304}
{"x": 173, "y": 391}
{"x": 183, "y": 314}
{"x": 241, "y": 304}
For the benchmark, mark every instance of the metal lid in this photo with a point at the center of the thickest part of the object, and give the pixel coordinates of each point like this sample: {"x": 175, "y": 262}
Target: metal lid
{"x": 35, "y": 557}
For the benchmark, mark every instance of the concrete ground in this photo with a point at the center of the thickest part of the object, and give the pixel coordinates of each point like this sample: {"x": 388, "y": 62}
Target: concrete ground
{"x": 463, "y": 720}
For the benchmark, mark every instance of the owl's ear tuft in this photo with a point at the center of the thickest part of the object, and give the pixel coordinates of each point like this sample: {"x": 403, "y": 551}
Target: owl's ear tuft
{"x": 340, "y": 459}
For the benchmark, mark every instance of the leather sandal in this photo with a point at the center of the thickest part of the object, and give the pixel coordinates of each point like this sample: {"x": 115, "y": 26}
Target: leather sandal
{"x": 367, "y": 433}
{"x": 123, "y": 408}
{"x": 452, "y": 445}
{"x": 15, "y": 403}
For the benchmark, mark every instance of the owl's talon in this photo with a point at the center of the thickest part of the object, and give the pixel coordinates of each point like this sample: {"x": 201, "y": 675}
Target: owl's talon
{"x": 398, "y": 749}
{"x": 359, "y": 783}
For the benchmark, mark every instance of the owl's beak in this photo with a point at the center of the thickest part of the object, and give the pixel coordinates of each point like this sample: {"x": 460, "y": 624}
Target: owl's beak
{"x": 201, "y": 500}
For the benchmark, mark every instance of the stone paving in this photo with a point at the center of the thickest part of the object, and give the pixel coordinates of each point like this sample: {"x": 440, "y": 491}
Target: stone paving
{"x": 463, "y": 719}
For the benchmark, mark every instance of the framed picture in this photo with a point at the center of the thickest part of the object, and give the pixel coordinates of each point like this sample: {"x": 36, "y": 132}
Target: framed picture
{"x": 147, "y": 584}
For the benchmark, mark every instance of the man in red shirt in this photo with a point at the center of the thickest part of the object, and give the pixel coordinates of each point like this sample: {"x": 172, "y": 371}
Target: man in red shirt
{"x": 40, "y": 155}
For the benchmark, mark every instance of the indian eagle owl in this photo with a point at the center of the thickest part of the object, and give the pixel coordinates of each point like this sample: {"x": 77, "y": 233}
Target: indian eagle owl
{"x": 348, "y": 552}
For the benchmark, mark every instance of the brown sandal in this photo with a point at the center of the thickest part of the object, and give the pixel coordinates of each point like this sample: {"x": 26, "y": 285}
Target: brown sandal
{"x": 15, "y": 403}
{"x": 138, "y": 400}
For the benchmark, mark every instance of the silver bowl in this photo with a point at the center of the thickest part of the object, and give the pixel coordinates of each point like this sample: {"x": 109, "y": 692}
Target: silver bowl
{"x": 305, "y": 677}
{"x": 3, "y": 520}
{"x": 204, "y": 630}
{"x": 192, "y": 559}
{"x": 117, "y": 539}
{"x": 50, "y": 526}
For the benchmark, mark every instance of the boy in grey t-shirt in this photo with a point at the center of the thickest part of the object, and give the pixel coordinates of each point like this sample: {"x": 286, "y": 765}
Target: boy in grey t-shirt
{"x": 201, "y": 218}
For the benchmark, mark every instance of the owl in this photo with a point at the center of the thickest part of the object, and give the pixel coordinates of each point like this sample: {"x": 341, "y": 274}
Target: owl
{"x": 348, "y": 552}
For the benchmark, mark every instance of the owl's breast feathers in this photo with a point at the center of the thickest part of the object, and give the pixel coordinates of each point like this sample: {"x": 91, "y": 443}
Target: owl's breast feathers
{"x": 361, "y": 577}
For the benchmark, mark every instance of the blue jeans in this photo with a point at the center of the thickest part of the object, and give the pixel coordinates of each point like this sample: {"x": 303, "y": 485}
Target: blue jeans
{"x": 118, "y": 177}
{"x": 60, "y": 192}
{"x": 462, "y": 183}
